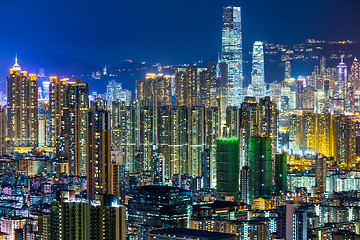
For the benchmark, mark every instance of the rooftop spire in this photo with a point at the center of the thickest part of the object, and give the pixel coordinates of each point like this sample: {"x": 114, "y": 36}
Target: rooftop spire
{"x": 16, "y": 66}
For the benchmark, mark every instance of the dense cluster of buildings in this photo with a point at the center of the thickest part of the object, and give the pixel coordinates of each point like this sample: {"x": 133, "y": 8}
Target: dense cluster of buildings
{"x": 195, "y": 155}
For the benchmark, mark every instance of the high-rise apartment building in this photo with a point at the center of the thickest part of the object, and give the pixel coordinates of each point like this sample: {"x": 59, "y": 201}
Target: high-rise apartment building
{"x": 140, "y": 90}
{"x": 187, "y": 86}
{"x": 344, "y": 140}
{"x": 22, "y": 108}
{"x": 71, "y": 218}
{"x": 212, "y": 132}
{"x": 231, "y": 53}
{"x": 44, "y": 117}
{"x": 196, "y": 137}
{"x": 123, "y": 133}
{"x": 158, "y": 90}
{"x": 258, "y": 71}
{"x": 355, "y": 82}
{"x": 227, "y": 168}
{"x": 320, "y": 172}
{"x": 2, "y": 131}
{"x": 269, "y": 122}
{"x": 280, "y": 173}
{"x": 99, "y": 166}
{"x": 164, "y": 138}
{"x": 259, "y": 167}
{"x": 179, "y": 140}
{"x": 68, "y": 106}
{"x": 249, "y": 120}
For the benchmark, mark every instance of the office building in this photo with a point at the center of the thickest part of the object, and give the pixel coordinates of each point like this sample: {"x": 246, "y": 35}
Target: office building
{"x": 258, "y": 71}
{"x": 231, "y": 53}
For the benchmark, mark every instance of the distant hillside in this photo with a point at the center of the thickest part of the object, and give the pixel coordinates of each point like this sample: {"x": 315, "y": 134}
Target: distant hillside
{"x": 53, "y": 63}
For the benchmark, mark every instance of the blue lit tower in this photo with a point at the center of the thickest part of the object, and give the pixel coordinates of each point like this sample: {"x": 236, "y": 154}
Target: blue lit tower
{"x": 231, "y": 53}
{"x": 258, "y": 73}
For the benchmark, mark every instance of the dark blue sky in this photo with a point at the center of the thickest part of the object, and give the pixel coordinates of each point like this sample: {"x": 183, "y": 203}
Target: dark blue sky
{"x": 105, "y": 32}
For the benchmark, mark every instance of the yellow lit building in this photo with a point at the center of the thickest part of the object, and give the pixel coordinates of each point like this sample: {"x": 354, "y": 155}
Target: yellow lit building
{"x": 22, "y": 108}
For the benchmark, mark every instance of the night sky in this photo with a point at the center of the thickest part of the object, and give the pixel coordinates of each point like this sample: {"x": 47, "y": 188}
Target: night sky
{"x": 110, "y": 31}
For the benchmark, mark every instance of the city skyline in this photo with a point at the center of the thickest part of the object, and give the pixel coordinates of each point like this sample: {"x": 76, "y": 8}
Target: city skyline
{"x": 238, "y": 146}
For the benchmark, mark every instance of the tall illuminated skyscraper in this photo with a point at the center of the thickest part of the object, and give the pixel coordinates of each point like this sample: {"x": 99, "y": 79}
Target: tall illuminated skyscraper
{"x": 258, "y": 72}
{"x": 22, "y": 107}
{"x": 340, "y": 89}
{"x": 231, "y": 52}
{"x": 287, "y": 70}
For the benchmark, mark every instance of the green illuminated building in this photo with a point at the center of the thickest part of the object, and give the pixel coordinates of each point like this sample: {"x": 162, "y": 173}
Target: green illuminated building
{"x": 260, "y": 167}
{"x": 227, "y": 168}
{"x": 280, "y": 173}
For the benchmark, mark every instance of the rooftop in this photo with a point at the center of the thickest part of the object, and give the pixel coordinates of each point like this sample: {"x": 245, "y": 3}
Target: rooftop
{"x": 199, "y": 234}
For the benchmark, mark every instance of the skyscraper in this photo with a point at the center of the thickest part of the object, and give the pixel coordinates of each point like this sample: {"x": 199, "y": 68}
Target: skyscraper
{"x": 287, "y": 70}
{"x": 99, "y": 174}
{"x": 231, "y": 53}
{"x": 22, "y": 107}
{"x": 258, "y": 72}
{"x": 340, "y": 88}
